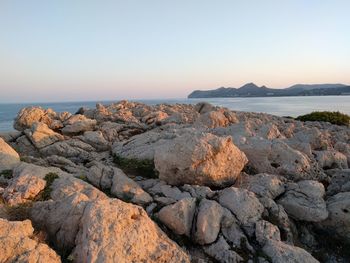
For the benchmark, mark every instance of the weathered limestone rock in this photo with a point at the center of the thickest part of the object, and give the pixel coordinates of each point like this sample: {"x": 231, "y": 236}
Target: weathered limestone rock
{"x": 69, "y": 185}
{"x": 179, "y": 216}
{"x": 127, "y": 189}
{"x": 173, "y": 192}
{"x": 25, "y": 147}
{"x": 331, "y": 159}
{"x": 142, "y": 146}
{"x": 264, "y": 231}
{"x": 41, "y": 135}
{"x": 277, "y": 157}
{"x": 9, "y": 158}
{"x": 112, "y": 230}
{"x": 95, "y": 139}
{"x": 78, "y": 124}
{"x": 208, "y": 221}
{"x": 28, "y": 181}
{"x": 235, "y": 235}
{"x": 28, "y": 116}
{"x": 264, "y": 185}
{"x": 17, "y": 244}
{"x": 278, "y": 215}
{"x": 213, "y": 119}
{"x": 338, "y": 220}
{"x": 202, "y": 159}
{"x": 280, "y": 252}
{"x": 73, "y": 149}
{"x": 340, "y": 181}
{"x": 100, "y": 175}
{"x": 222, "y": 252}
{"x": 154, "y": 118}
{"x": 304, "y": 201}
{"x": 60, "y": 219}
{"x": 198, "y": 191}
{"x": 23, "y": 188}
{"x": 10, "y": 136}
{"x": 204, "y": 107}
{"x": 242, "y": 203}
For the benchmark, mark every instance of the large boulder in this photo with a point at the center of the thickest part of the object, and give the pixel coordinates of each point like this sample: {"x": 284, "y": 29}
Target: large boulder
{"x": 340, "y": 181}
{"x": 78, "y": 124}
{"x": 338, "y": 221}
{"x": 143, "y": 146}
{"x": 304, "y": 201}
{"x": 111, "y": 230}
{"x": 28, "y": 116}
{"x": 208, "y": 223}
{"x": 9, "y": 158}
{"x": 41, "y": 135}
{"x": 264, "y": 185}
{"x": 214, "y": 119}
{"x": 60, "y": 217}
{"x": 331, "y": 159}
{"x": 18, "y": 245}
{"x": 179, "y": 216}
{"x": 95, "y": 139}
{"x": 279, "y": 252}
{"x": 72, "y": 149}
{"x": 199, "y": 158}
{"x": 242, "y": 203}
{"x": 127, "y": 189}
{"x": 222, "y": 252}
{"x": 27, "y": 182}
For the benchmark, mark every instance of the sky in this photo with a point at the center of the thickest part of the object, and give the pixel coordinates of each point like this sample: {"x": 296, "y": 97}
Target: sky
{"x": 104, "y": 50}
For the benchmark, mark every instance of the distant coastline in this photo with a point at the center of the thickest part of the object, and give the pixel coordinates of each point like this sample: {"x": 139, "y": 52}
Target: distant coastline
{"x": 252, "y": 90}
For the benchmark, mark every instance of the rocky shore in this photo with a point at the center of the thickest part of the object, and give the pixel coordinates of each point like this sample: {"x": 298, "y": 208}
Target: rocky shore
{"x": 128, "y": 182}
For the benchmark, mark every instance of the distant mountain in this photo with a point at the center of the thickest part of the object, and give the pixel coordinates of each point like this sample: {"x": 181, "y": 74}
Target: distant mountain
{"x": 252, "y": 90}
{"x": 315, "y": 86}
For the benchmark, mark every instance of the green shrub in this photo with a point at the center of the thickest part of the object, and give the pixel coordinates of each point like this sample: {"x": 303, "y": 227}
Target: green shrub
{"x": 334, "y": 117}
{"x": 46, "y": 193}
{"x": 143, "y": 168}
{"x": 7, "y": 174}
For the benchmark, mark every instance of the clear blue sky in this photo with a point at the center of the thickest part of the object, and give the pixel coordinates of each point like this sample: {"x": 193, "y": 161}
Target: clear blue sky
{"x": 93, "y": 50}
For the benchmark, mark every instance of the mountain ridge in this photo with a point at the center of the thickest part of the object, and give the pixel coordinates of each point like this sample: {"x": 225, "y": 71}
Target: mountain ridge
{"x": 252, "y": 90}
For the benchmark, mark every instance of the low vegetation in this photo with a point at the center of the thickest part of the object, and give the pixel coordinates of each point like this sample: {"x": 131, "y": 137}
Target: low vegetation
{"x": 334, "y": 117}
{"x": 143, "y": 168}
{"x": 7, "y": 174}
{"x": 45, "y": 194}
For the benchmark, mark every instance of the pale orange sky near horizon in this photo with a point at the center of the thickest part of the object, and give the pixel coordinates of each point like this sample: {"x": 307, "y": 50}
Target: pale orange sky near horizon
{"x": 86, "y": 50}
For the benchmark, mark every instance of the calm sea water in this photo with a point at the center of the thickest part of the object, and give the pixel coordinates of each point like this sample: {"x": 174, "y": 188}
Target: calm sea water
{"x": 281, "y": 106}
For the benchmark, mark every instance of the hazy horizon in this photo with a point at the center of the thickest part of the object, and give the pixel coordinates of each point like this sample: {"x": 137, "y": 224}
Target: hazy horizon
{"x": 111, "y": 50}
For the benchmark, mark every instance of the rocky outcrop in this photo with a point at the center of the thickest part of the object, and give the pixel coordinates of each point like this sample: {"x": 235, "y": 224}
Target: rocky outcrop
{"x": 9, "y": 158}
{"x": 28, "y": 116}
{"x": 338, "y": 221}
{"x": 112, "y": 230}
{"x": 41, "y": 135}
{"x": 304, "y": 201}
{"x": 125, "y": 188}
{"x": 242, "y": 203}
{"x": 202, "y": 159}
{"x": 179, "y": 216}
{"x": 208, "y": 223}
{"x": 264, "y": 185}
{"x": 279, "y": 252}
{"x": 18, "y": 245}
{"x": 227, "y": 186}
{"x": 78, "y": 124}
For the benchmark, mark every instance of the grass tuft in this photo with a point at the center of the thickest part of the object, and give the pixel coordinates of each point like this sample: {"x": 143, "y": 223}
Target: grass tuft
{"x": 143, "y": 168}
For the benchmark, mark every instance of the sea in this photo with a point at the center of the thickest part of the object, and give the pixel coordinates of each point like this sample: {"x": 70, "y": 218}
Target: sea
{"x": 280, "y": 106}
